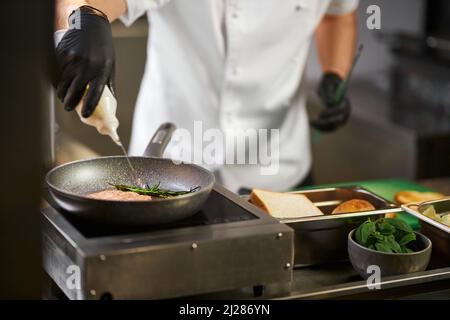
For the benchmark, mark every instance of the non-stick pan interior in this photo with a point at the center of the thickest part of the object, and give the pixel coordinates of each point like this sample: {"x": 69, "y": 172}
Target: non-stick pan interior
{"x": 84, "y": 177}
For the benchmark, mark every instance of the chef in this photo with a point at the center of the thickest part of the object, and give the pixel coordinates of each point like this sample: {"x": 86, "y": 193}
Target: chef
{"x": 220, "y": 64}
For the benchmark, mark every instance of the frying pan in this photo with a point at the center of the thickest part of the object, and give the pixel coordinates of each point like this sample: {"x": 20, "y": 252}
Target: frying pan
{"x": 69, "y": 185}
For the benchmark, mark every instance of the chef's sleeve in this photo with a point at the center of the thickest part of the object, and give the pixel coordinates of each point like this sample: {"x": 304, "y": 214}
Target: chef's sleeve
{"x": 340, "y": 7}
{"x": 136, "y": 8}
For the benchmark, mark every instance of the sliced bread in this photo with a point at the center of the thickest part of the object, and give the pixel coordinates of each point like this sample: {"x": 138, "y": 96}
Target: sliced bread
{"x": 284, "y": 205}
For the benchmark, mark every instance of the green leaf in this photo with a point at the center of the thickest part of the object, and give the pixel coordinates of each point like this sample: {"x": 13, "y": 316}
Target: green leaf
{"x": 392, "y": 244}
{"x": 377, "y": 236}
{"x": 399, "y": 224}
{"x": 386, "y": 228}
{"x": 367, "y": 228}
{"x": 406, "y": 250}
{"x": 407, "y": 238}
{"x": 358, "y": 236}
{"x": 382, "y": 247}
{"x": 374, "y": 237}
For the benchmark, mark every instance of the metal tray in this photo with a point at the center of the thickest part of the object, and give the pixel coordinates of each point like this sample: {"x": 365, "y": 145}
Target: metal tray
{"x": 323, "y": 239}
{"x": 438, "y": 233}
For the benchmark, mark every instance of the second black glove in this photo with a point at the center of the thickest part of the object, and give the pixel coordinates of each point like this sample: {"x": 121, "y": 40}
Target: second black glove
{"x": 337, "y": 111}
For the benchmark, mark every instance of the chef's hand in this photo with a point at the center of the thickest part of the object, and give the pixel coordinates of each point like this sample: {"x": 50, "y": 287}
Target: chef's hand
{"x": 336, "y": 113}
{"x": 85, "y": 56}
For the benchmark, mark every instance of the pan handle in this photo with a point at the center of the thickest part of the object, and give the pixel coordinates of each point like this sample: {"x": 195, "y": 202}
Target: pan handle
{"x": 159, "y": 141}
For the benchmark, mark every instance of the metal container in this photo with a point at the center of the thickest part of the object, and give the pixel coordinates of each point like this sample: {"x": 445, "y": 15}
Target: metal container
{"x": 438, "y": 233}
{"x": 323, "y": 239}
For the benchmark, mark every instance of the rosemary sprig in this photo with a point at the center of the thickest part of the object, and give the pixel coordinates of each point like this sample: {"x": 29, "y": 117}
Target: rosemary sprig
{"x": 154, "y": 190}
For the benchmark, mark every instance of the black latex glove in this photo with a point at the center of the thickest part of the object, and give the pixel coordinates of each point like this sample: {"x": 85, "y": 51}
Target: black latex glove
{"x": 336, "y": 113}
{"x": 85, "y": 56}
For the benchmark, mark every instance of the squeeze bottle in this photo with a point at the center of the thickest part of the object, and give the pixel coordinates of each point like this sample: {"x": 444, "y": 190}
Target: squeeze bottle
{"x": 104, "y": 117}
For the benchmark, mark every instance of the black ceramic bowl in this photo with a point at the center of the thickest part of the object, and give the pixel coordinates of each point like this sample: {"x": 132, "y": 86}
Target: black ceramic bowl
{"x": 390, "y": 264}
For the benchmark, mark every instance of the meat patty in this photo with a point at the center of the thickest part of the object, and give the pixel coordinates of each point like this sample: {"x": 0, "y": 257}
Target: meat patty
{"x": 117, "y": 195}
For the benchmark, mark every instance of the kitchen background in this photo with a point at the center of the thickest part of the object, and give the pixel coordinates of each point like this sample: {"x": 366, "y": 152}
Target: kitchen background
{"x": 400, "y": 126}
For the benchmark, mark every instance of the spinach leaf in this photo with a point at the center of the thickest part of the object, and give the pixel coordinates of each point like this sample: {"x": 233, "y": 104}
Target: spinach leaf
{"x": 406, "y": 250}
{"x": 375, "y": 237}
{"x": 407, "y": 238}
{"x": 358, "y": 236}
{"x": 382, "y": 247}
{"x": 399, "y": 224}
{"x": 390, "y": 242}
{"x": 385, "y": 228}
{"x": 364, "y": 231}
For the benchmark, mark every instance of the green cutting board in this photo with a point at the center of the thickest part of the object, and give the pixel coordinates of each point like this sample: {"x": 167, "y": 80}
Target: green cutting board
{"x": 387, "y": 189}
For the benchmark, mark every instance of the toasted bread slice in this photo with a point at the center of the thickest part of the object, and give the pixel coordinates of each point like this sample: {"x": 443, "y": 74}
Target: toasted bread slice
{"x": 404, "y": 197}
{"x": 353, "y": 205}
{"x": 284, "y": 205}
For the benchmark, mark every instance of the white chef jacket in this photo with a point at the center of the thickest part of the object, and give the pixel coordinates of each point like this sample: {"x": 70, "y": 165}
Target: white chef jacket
{"x": 231, "y": 64}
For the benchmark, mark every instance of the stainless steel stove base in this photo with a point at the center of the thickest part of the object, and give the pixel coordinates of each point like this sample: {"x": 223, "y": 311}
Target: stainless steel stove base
{"x": 168, "y": 263}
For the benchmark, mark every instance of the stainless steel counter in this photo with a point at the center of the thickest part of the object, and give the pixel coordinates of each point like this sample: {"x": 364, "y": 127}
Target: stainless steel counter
{"x": 340, "y": 281}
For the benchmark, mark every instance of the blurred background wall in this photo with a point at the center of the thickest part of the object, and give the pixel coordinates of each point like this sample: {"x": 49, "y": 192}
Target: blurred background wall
{"x": 377, "y": 143}
{"x": 396, "y": 15}
{"x": 400, "y": 125}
